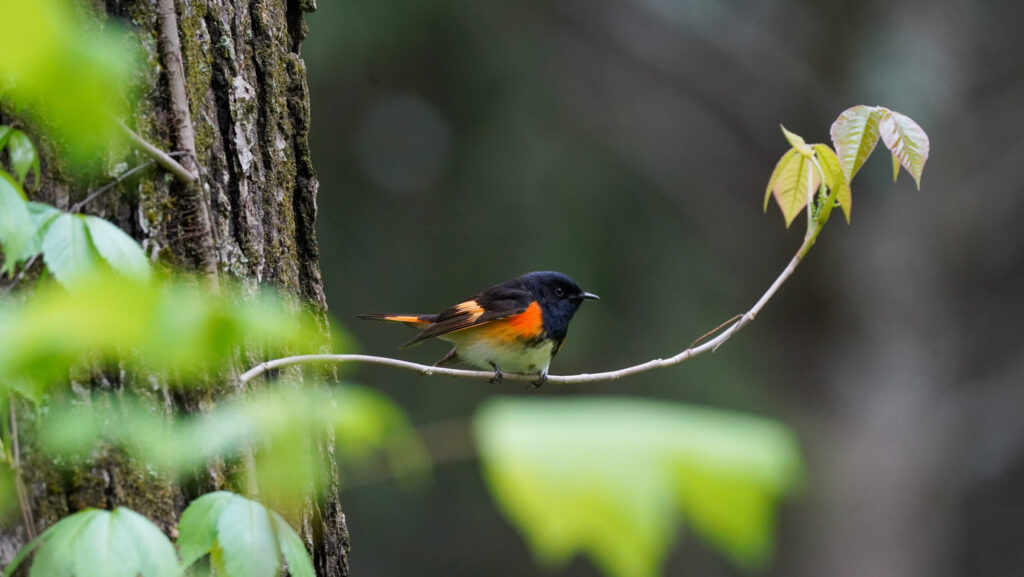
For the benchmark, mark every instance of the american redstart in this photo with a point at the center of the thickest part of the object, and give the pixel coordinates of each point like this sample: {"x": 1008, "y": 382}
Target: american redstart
{"x": 518, "y": 325}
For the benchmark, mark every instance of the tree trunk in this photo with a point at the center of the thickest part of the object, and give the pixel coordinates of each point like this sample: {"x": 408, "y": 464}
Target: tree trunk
{"x": 251, "y": 217}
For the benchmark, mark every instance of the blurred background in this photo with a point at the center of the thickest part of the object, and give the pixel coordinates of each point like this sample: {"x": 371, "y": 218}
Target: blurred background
{"x": 628, "y": 144}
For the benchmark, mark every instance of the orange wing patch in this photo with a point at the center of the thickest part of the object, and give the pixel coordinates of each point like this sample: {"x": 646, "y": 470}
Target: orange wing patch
{"x": 472, "y": 308}
{"x": 406, "y": 319}
{"x": 524, "y": 326}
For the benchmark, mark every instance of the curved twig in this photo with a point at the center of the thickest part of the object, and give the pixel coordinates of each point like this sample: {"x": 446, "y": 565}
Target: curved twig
{"x": 711, "y": 345}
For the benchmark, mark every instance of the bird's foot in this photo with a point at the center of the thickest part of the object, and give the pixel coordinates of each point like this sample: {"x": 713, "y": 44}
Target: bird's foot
{"x": 542, "y": 379}
{"x": 498, "y": 375}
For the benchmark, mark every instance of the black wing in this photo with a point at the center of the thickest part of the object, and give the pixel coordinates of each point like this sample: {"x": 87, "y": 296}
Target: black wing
{"x": 498, "y": 302}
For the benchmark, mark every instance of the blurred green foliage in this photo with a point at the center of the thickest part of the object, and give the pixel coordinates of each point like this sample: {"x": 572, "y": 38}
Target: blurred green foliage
{"x": 286, "y": 424}
{"x": 67, "y": 74}
{"x": 168, "y": 325}
{"x": 607, "y": 477}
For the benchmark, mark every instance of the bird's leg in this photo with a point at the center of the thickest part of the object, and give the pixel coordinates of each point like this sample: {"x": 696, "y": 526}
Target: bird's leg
{"x": 542, "y": 379}
{"x": 447, "y": 358}
{"x": 498, "y": 375}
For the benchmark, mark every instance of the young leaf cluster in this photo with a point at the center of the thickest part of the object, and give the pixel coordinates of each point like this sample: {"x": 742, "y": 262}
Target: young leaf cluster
{"x": 243, "y": 538}
{"x": 816, "y": 177}
{"x": 607, "y": 477}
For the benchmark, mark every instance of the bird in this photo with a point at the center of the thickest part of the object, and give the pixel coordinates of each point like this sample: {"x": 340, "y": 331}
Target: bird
{"x": 516, "y": 326}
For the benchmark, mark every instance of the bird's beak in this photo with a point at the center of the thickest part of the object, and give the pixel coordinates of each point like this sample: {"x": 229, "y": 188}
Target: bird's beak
{"x": 590, "y": 296}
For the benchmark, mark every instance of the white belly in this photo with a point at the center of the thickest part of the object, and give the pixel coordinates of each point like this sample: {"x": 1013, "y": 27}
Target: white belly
{"x": 524, "y": 359}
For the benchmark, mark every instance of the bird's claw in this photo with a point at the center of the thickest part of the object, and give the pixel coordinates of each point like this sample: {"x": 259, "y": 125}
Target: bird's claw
{"x": 542, "y": 379}
{"x": 498, "y": 377}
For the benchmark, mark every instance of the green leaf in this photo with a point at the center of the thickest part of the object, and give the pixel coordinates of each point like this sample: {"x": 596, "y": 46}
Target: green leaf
{"x": 42, "y": 215}
{"x": 834, "y": 177}
{"x": 23, "y": 156}
{"x": 155, "y": 553}
{"x": 67, "y": 250}
{"x": 854, "y": 136}
{"x": 795, "y": 186}
{"x": 292, "y": 547}
{"x": 5, "y": 133}
{"x": 122, "y": 543}
{"x": 64, "y": 525}
{"x": 896, "y": 170}
{"x": 247, "y": 542}
{"x": 54, "y": 555}
{"x": 15, "y": 222}
{"x": 120, "y": 251}
{"x": 96, "y": 543}
{"x": 197, "y": 529}
{"x": 797, "y": 142}
{"x": 572, "y": 484}
{"x": 775, "y": 175}
{"x": 907, "y": 141}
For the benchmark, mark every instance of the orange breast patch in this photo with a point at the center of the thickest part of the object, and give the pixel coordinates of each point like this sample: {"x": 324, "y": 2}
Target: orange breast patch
{"x": 523, "y": 326}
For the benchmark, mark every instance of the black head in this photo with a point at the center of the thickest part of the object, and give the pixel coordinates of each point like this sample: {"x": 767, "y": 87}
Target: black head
{"x": 559, "y": 297}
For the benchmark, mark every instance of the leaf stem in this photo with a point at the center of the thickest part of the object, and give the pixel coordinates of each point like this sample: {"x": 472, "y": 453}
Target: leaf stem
{"x": 20, "y": 275}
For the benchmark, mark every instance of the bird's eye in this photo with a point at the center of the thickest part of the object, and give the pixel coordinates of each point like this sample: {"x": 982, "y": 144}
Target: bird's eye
{"x": 559, "y": 291}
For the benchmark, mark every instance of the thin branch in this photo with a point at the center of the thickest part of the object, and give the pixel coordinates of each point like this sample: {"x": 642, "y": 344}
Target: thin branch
{"x": 169, "y": 44}
{"x": 78, "y": 206}
{"x": 170, "y": 52}
{"x": 19, "y": 276}
{"x": 711, "y": 345}
{"x": 159, "y": 156}
{"x": 19, "y": 484}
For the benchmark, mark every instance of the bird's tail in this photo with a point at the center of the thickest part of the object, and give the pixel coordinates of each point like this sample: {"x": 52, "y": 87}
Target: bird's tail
{"x": 415, "y": 321}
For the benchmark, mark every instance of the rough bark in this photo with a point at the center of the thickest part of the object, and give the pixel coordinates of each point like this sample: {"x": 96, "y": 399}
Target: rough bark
{"x": 248, "y": 101}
